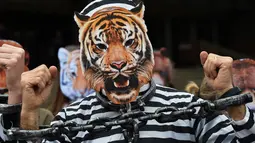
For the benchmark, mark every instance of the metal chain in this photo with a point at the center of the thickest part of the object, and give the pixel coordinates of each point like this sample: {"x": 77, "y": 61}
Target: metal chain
{"x": 131, "y": 121}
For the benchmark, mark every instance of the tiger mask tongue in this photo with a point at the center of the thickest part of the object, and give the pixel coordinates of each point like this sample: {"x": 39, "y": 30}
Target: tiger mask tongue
{"x": 121, "y": 89}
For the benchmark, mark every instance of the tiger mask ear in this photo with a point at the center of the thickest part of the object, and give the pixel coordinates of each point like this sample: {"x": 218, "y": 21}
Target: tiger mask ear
{"x": 139, "y": 10}
{"x": 80, "y": 19}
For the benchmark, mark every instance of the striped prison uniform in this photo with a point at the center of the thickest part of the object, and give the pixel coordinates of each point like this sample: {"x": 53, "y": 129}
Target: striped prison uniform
{"x": 214, "y": 128}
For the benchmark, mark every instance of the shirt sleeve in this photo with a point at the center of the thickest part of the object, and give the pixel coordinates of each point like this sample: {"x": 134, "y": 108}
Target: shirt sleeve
{"x": 60, "y": 118}
{"x": 214, "y": 128}
{"x": 245, "y": 129}
{"x": 217, "y": 127}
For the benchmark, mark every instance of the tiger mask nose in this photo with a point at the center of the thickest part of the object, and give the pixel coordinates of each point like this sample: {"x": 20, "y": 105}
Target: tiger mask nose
{"x": 118, "y": 65}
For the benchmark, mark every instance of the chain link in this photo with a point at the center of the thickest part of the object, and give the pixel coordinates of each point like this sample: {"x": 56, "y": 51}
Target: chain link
{"x": 132, "y": 120}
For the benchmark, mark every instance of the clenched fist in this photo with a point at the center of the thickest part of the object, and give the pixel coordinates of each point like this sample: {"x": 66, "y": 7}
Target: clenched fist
{"x": 218, "y": 80}
{"x": 36, "y": 86}
{"x": 218, "y": 75}
{"x": 12, "y": 61}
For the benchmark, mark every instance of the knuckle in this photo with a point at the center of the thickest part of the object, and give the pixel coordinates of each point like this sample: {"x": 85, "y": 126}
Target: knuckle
{"x": 13, "y": 61}
{"x": 38, "y": 79}
{"x": 42, "y": 84}
{"x": 41, "y": 73}
{"x": 213, "y": 62}
{"x": 19, "y": 56}
{"x": 230, "y": 59}
{"x": 43, "y": 67}
{"x": 21, "y": 51}
{"x": 210, "y": 58}
{"x": 211, "y": 55}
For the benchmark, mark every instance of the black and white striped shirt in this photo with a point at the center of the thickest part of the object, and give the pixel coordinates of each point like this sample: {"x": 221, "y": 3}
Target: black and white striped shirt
{"x": 214, "y": 128}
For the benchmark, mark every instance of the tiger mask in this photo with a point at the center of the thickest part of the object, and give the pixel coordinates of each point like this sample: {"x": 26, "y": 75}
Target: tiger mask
{"x": 116, "y": 52}
{"x": 72, "y": 82}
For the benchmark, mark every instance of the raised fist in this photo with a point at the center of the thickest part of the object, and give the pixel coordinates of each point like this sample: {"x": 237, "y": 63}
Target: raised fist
{"x": 12, "y": 63}
{"x": 218, "y": 75}
{"x": 36, "y": 86}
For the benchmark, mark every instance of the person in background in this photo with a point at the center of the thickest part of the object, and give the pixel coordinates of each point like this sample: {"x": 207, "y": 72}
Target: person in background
{"x": 72, "y": 83}
{"x": 244, "y": 77}
{"x": 163, "y": 68}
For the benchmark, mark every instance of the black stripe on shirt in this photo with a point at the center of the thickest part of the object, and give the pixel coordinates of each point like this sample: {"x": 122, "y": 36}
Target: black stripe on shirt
{"x": 221, "y": 138}
{"x": 248, "y": 139}
{"x": 83, "y": 106}
{"x": 215, "y": 129}
{"x": 156, "y": 140}
{"x": 167, "y": 89}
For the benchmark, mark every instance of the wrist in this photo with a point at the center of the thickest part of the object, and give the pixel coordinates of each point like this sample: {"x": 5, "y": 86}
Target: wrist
{"x": 29, "y": 119}
{"x": 14, "y": 86}
{"x": 25, "y": 109}
{"x": 14, "y": 89}
{"x": 14, "y": 97}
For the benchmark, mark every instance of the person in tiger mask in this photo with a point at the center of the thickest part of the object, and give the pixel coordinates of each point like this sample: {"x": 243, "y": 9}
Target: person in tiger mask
{"x": 117, "y": 57}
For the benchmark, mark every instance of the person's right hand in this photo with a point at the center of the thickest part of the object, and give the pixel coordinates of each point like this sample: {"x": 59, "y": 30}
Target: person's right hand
{"x": 36, "y": 86}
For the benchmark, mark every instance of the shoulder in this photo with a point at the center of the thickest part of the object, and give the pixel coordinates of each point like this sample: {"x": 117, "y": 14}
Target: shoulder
{"x": 83, "y": 104}
{"x": 173, "y": 96}
{"x": 81, "y": 110}
{"x": 171, "y": 92}
{"x": 89, "y": 99}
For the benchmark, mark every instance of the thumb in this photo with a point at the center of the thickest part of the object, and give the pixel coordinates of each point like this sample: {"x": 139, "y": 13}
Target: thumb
{"x": 203, "y": 57}
{"x": 53, "y": 72}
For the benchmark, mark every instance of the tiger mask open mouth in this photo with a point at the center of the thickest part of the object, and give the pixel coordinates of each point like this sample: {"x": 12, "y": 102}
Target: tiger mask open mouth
{"x": 116, "y": 51}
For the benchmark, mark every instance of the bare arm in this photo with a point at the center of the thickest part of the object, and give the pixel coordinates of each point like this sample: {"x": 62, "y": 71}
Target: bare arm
{"x": 12, "y": 61}
{"x": 36, "y": 86}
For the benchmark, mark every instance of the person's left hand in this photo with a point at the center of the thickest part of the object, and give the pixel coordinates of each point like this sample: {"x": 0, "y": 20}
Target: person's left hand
{"x": 12, "y": 60}
{"x": 218, "y": 75}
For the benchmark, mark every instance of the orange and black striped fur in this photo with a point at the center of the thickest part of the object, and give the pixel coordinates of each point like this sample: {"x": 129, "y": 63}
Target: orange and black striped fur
{"x": 116, "y": 51}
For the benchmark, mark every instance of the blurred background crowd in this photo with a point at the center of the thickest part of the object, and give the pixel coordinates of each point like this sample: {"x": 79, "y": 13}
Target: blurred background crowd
{"x": 178, "y": 29}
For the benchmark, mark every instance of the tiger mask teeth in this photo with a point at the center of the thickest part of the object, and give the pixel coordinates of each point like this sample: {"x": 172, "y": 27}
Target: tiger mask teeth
{"x": 121, "y": 85}
{"x": 114, "y": 34}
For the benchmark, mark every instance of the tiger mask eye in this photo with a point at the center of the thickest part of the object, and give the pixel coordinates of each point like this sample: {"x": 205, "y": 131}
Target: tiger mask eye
{"x": 101, "y": 46}
{"x": 129, "y": 42}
